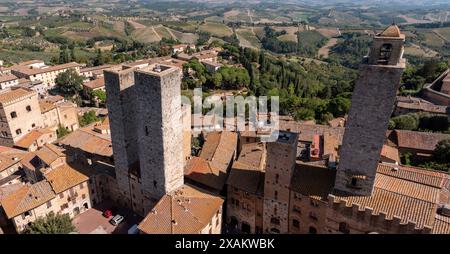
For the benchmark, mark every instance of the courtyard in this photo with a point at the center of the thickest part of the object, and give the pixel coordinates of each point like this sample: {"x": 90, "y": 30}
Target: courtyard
{"x": 93, "y": 222}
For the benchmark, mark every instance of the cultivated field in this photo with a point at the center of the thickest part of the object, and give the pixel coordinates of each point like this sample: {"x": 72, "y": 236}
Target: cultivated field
{"x": 325, "y": 50}
{"x": 217, "y": 29}
{"x": 247, "y": 38}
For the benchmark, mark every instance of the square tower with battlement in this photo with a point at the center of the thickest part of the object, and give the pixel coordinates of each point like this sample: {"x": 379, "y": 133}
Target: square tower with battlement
{"x": 146, "y": 129}
{"x": 371, "y": 107}
{"x": 281, "y": 157}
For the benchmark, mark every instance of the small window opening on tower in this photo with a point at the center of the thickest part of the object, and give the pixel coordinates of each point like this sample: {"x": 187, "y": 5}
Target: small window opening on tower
{"x": 385, "y": 53}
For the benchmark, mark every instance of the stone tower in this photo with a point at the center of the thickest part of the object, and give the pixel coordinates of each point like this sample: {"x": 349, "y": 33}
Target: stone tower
{"x": 372, "y": 104}
{"x": 160, "y": 129}
{"x": 281, "y": 156}
{"x": 144, "y": 108}
{"x": 121, "y": 105}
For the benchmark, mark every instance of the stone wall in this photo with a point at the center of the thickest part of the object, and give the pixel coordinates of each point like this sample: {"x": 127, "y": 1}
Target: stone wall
{"x": 372, "y": 104}
{"x": 279, "y": 169}
{"x": 160, "y": 131}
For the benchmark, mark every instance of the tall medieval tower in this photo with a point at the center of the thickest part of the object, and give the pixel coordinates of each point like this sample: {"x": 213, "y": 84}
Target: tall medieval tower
{"x": 160, "y": 129}
{"x": 281, "y": 156}
{"x": 372, "y": 104}
{"x": 144, "y": 108}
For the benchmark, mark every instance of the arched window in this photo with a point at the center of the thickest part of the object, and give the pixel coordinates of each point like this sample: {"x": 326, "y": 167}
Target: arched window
{"x": 385, "y": 52}
{"x": 312, "y": 230}
{"x": 276, "y": 195}
{"x": 277, "y": 177}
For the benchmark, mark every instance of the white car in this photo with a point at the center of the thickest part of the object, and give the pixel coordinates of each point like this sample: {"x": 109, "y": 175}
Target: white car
{"x": 116, "y": 220}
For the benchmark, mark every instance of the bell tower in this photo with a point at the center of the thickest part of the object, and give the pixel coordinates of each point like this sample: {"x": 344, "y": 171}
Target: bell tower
{"x": 372, "y": 104}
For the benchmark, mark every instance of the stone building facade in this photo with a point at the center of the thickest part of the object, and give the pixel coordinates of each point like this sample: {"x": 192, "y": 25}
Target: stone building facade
{"x": 19, "y": 113}
{"x": 245, "y": 192}
{"x": 281, "y": 156}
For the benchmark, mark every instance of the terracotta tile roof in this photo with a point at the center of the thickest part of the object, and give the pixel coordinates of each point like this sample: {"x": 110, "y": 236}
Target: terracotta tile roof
{"x": 49, "y": 153}
{"x": 410, "y": 193}
{"x": 184, "y": 211}
{"x": 26, "y": 198}
{"x": 89, "y": 141}
{"x": 441, "y": 225}
{"x": 33, "y": 71}
{"x": 30, "y": 161}
{"x": 54, "y": 99}
{"x": 392, "y": 31}
{"x": 211, "y": 168}
{"x": 313, "y": 181}
{"x": 65, "y": 177}
{"x": 426, "y": 107}
{"x": 419, "y": 140}
{"x": 219, "y": 148}
{"x": 307, "y": 131}
{"x": 96, "y": 83}
{"x": 200, "y": 171}
{"x": 15, "y": 94}
{"x": 417, "y": 175}
{"x": 46, "y": 106}
{"x": 9, "y": 157}
{"x": 95, "y": 68}
{"x": 27, "y": 140}
{"x": 174, "y": 62}
{"x": 247, "y": 172}
{"x": 413, "y": 194}
{"x": 390, "y": 153}
{"x": 7, "y": 77}
{"x": 8, "y": 189}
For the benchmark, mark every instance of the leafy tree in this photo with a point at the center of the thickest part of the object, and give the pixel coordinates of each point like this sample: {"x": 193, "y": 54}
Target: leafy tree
{"x": 61, "y": 131}
{"x": 28, "y": 32}
{"x": 198, "y": 77}
{"x": 304, "y": 114}
{"x": 442, "y": 151}
{"x": 339, "y": 106}
{"x": 51, "y": 224}
{"x": 69, "y": 82}
{"x": 64, "y": 56}
{"x": 405, "y": 122}
{"x": 88, "y": 118}
{"x": 406, "y": 158}
{"x": 100, "y": 95}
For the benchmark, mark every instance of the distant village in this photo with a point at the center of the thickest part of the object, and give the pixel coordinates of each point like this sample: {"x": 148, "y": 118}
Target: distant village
{"x": 136, "y": 159}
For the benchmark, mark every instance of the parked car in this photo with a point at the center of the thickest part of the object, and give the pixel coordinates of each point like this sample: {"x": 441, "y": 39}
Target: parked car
{"x": 116, "y": 220}
{"x": 107, "y": 213}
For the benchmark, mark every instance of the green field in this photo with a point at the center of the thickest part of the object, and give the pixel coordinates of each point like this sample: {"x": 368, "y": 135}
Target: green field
{"x": 145, "y": 35}
{"x": 247, "y": 38}
{"x": 311, "y": 37}
{"x": 216, "y": 29}
{"x": 16, "y": 56}
{"x": 444, "y": 32}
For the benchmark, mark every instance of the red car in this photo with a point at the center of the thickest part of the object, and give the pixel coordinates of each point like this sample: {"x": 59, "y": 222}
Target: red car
{"x": 107, "y": 213}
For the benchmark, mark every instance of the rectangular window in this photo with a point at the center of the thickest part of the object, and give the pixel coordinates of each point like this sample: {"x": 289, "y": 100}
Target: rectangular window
{"x": 49, "y": 204}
